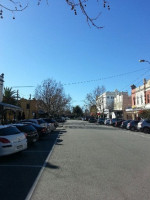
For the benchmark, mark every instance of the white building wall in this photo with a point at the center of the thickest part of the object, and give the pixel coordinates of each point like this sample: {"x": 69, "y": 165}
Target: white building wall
{"x": 105, "y": 102}
{"x": 140, "y": 102}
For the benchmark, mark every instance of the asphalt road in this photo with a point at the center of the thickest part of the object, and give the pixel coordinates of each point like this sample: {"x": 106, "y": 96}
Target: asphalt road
{"x": 94, "y": 162}
{"x": 18, "y": 172}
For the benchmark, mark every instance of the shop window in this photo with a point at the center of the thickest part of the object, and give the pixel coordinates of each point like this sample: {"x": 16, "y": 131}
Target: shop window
{"x": 28, "y": 106}
{"x": 148, "y": 98}
{"x": 133, "y": 100}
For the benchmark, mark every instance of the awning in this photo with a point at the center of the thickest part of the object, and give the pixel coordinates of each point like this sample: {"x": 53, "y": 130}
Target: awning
{"x": 5, "y": 106}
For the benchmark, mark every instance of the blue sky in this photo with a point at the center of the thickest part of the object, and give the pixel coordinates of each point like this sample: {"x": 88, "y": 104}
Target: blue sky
{"x": 51, "y": 42}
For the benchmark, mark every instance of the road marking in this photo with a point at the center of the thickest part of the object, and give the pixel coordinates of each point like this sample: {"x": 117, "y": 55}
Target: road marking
{"x": 40, "y": 173}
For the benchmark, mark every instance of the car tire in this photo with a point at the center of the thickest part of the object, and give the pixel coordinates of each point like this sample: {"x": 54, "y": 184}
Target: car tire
{"x": 146, "y": 130}
{"x": 132, "y": 128}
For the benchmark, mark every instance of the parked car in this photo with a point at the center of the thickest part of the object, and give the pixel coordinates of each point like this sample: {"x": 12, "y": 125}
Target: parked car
{"x": 12, "y": 140}
{"x": 100, "y": 120}
{"x": 113, "y": 121}
{"x": 107, "y": 121}
{"x": 124, "y": 123}
{"x": 41, "y": 122}
{"x": 49, "y": 120}
{"x": 60, "y": 119}
{"x": 144, "y": 125}
{"x": 31, "y": 132}
{"x": 42, "y": 131}
{"x": 92, "y": 120}
{"x": 119, "y": 122}
{"x": 132, "y": 125}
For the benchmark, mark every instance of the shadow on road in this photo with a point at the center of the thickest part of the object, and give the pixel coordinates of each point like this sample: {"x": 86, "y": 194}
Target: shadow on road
{"x": 51, "y": 166}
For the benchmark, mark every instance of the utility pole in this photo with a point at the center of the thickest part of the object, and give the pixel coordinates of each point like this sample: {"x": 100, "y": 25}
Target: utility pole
{"x": 17, "y": 96}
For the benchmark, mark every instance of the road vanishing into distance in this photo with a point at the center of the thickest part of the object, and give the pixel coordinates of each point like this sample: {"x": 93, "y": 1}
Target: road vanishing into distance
{"x": 80, "y": 161}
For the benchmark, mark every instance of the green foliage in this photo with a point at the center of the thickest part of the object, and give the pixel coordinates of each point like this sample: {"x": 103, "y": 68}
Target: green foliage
{"x": 77, "y": 111}
{"x": 9, "y": 96}
{"x": 145, "y": 114}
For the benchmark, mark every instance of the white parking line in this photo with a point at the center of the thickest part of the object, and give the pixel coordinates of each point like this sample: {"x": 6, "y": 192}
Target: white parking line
{"x": 40, "y": 173}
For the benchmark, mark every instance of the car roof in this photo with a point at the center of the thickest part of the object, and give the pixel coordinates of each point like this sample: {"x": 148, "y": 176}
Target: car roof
{"x": 20, "y": 124}
{"x": 5, "y": 126}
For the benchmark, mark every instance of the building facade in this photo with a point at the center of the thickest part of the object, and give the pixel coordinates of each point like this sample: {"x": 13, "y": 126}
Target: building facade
{"x": 140, "y": 99}
{"x": 29, "y": 107}
{"x": 105, "y": 103}
{"x": 122, "y": 101}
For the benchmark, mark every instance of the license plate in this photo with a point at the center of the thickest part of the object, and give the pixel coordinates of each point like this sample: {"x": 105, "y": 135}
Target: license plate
{"x": 19, "y": 147}
{"x": 34, "y": 140}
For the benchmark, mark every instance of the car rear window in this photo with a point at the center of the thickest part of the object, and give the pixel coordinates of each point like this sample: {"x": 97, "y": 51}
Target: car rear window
{"x": 9, "y": 131}
{"x": 40, "y": 121}
{"x": 27, "y": 128}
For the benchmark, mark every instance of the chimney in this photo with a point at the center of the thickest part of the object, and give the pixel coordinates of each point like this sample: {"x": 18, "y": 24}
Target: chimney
{"x": 133, "y": 87}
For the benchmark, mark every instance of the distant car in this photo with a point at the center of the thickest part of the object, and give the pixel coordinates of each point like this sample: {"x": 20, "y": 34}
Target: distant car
{"x": 92, "y": 120}
{"x": 119, "y": 122}
{"x": 12, "y": 140}
{"x": 30, "y": 131}
{"x": 113, "y": 121}
{"x": 60, "y": 119}
{"x": 107, "y": 122}
{"x": 132, "y": 125}
{"x": 124, "y": 123}
{"x": 67, "y": 118}
{"x": 144, "y": 125}
{"x": 100, "y": 120}
{"x": 49, "y": 120}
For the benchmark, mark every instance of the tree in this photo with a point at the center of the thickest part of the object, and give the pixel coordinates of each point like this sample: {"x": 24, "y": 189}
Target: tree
{"x": 77, "y": 111}
{"x": 15, "y": 6}
{"x": 51, "y": 97}
{"x": 9, "y": 96}
{"x": 144, "y": 114}
{"x": 91, "y": 97}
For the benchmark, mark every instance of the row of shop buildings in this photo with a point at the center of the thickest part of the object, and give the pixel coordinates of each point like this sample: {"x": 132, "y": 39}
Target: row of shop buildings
{"x": 121, "y": 105}
{"x": 110, "y": 104}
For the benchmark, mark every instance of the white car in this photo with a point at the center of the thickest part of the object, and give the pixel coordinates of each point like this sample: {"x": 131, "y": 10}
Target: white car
{"x": 11, "y": 140}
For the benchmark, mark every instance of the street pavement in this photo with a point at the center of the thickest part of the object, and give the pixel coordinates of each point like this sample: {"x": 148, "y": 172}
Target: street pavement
{"x": 99, "y": 163}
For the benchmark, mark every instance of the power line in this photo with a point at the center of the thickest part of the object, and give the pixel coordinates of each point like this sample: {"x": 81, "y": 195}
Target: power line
{"x": 22, "y": 86}
{"x": 136, "y": 81}
{"x": 94, "y": 80}
{"x": 104, "y": 78}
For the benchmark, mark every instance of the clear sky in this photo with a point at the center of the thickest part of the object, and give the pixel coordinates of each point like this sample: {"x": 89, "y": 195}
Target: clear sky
{"x": 49, "y": 41}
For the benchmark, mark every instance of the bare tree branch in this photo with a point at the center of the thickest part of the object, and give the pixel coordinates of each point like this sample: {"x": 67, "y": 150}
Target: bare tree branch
{"x": 74, "y": 4}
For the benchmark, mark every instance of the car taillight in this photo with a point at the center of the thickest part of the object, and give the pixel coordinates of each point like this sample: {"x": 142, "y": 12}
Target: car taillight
{"x": 44, "y": 129}
{"x": 4, "y": 140}
{"x": 25, "y": 134}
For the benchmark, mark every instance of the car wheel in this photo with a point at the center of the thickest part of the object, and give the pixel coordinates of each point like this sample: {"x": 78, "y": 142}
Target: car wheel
{"x": 146, "y": 130}
{"x": 132, "y": 128}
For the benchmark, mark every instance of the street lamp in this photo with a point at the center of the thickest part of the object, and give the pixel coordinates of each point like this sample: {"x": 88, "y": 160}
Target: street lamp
{"x": 144, "y": 61}
{"x": 144, "y": 80}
